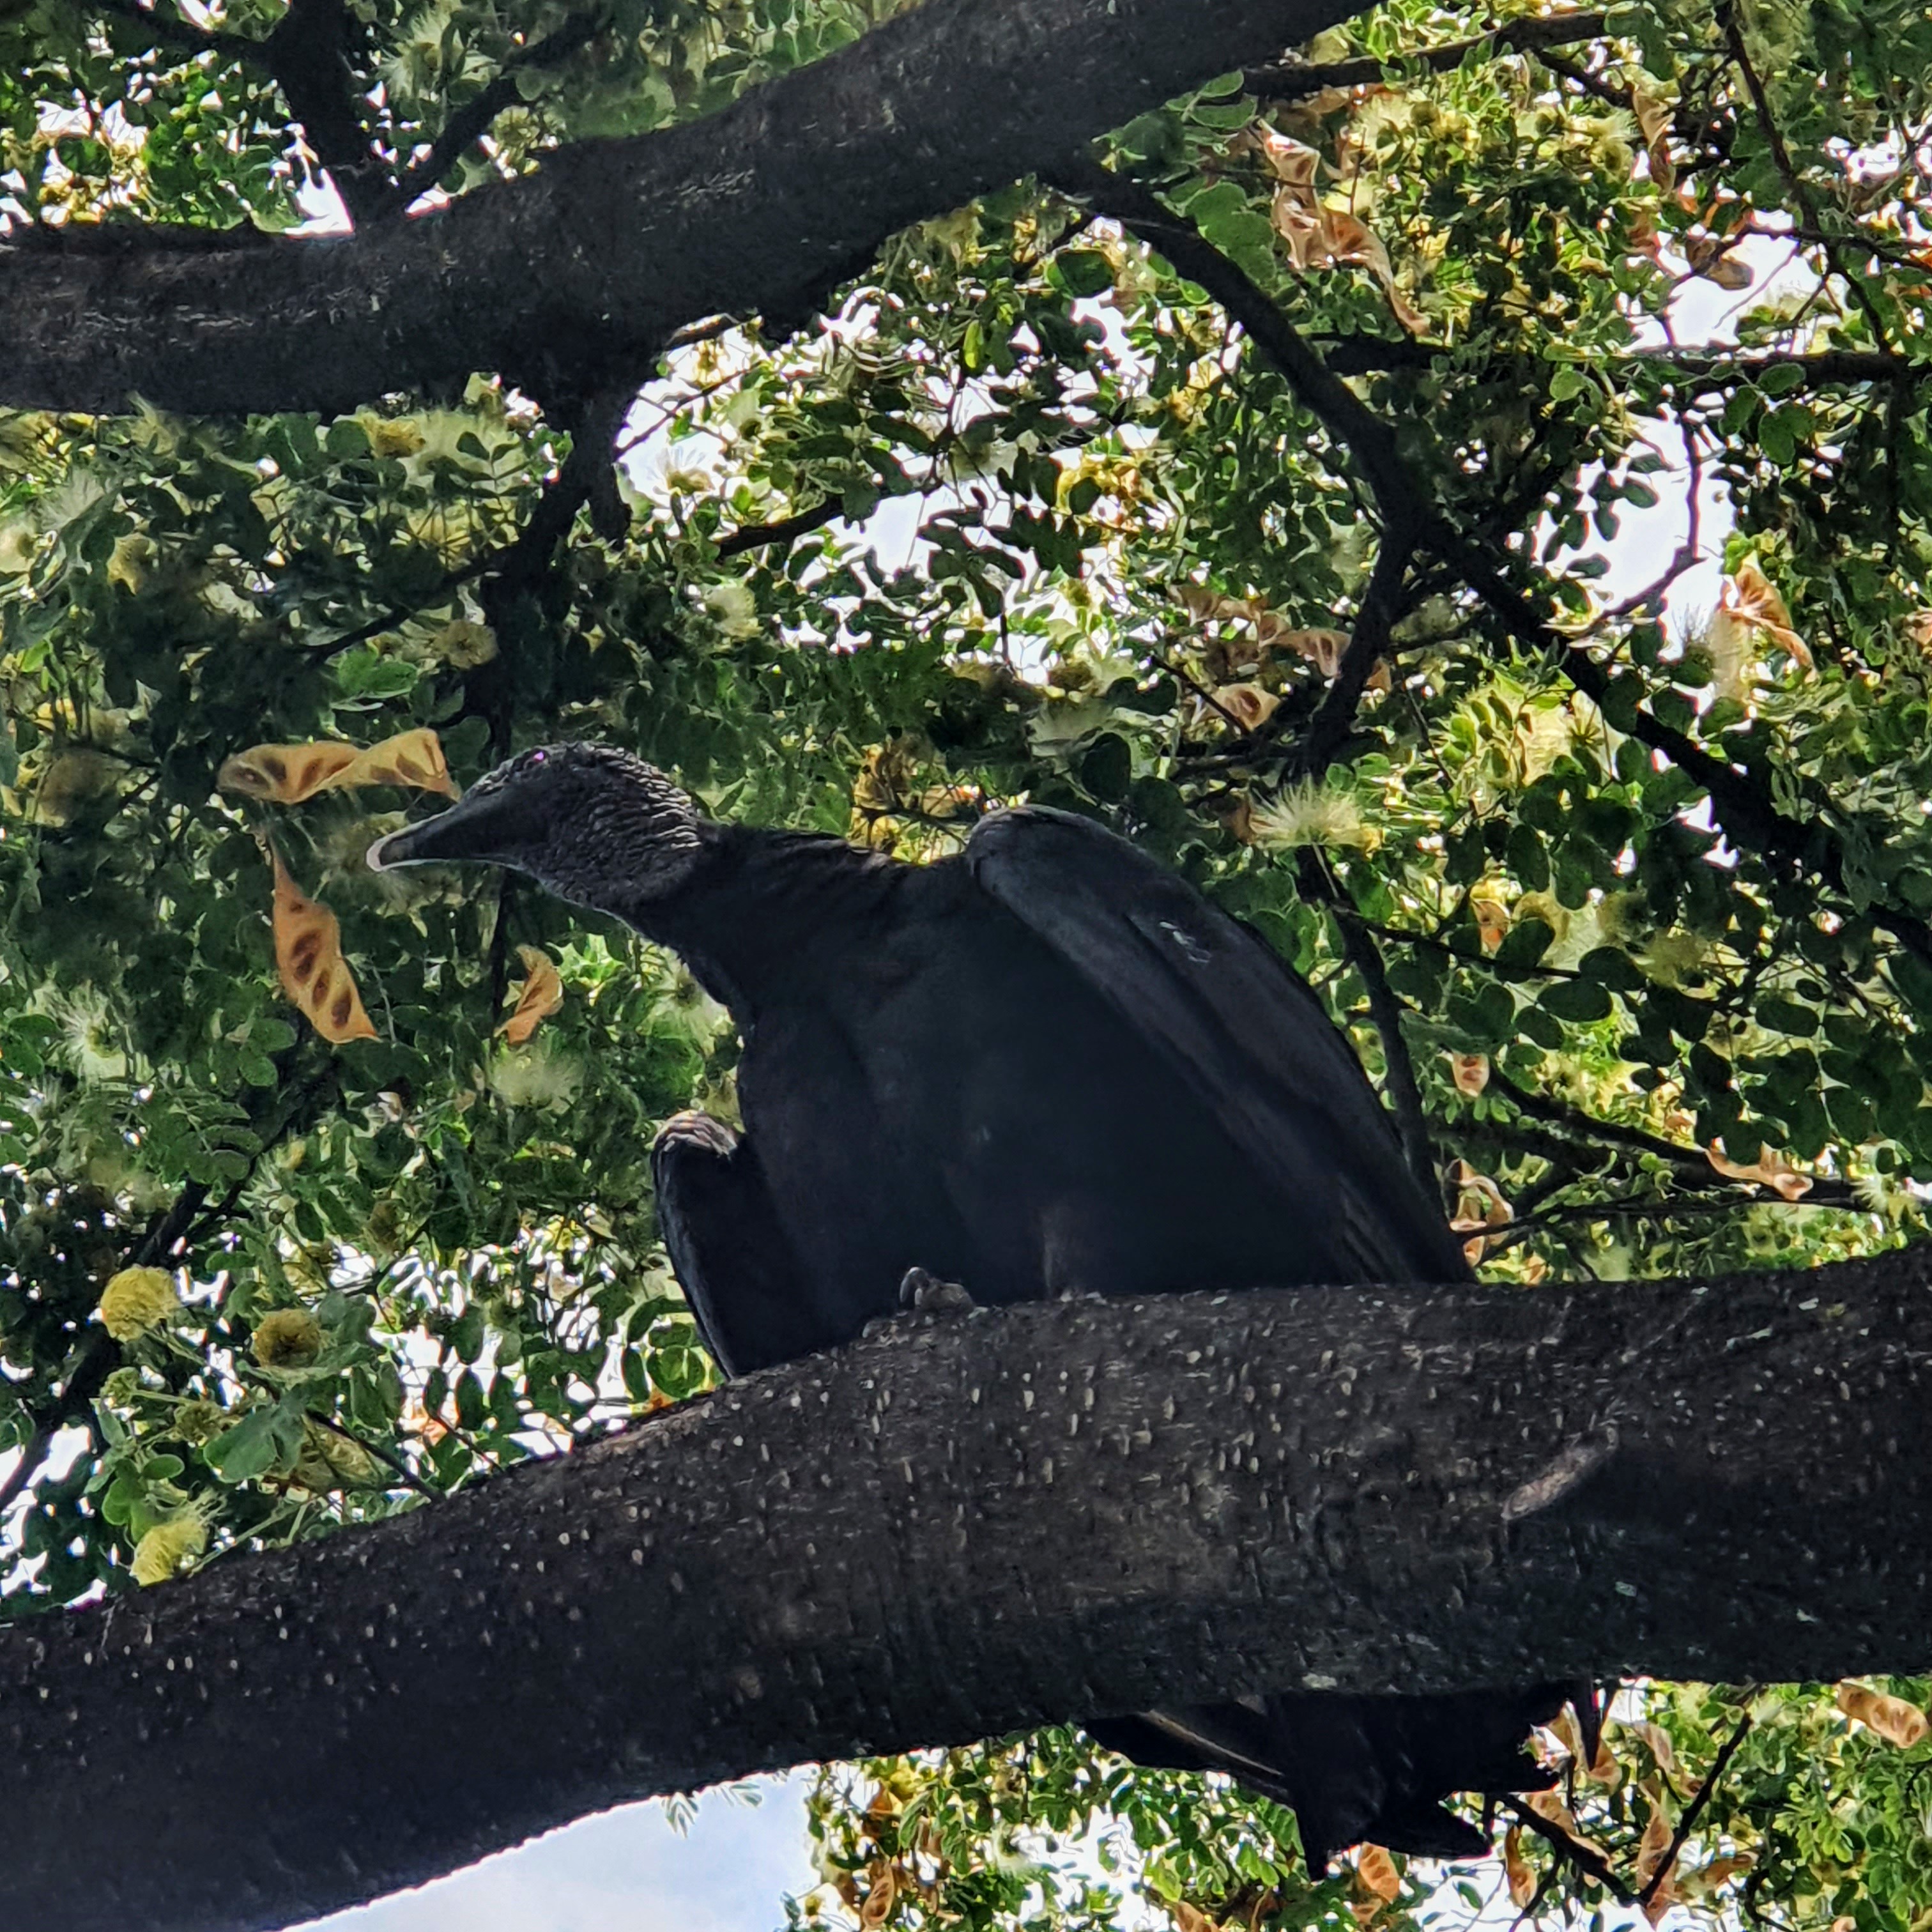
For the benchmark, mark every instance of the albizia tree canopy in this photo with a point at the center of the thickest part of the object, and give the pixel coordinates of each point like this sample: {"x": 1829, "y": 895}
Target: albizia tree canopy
{"x": 1280, "y": 448}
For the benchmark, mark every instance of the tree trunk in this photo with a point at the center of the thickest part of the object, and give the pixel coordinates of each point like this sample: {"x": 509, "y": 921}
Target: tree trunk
{"x": 965, "y": 1527}
{"x": 572, "y": 277}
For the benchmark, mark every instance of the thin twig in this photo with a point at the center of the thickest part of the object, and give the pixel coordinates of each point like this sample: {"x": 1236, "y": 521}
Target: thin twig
{"x": 1291, "y": 80}
{"x": 1560, "y": 1114}
{"x": 1401, "y": 936}
{"x": 381, "y": 1454}
{"x": 1385, "y": 1013}
{"x": 1662, "y": 1210}
{"x": 1582, "y": 1856}
{"x": 1687, "y": 554}
{"x": 1544, "y": 1885}
{"x": 1687, "y": 1823}
{"x": 473, "y": 119}
{"x": 1781, "y": 155}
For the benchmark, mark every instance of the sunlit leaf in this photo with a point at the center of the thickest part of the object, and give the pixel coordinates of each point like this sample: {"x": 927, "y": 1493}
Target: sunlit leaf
{"x": 1771, "y": 1169}
{"x": 540, "y": 995}
{"x": 308, "y": 956}
{"x": 1892, "y": 1718}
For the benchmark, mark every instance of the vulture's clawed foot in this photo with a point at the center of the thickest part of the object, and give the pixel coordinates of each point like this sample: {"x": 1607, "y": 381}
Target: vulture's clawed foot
{"x": 922, "y": 1292}
{"x": 699, "y": 1132}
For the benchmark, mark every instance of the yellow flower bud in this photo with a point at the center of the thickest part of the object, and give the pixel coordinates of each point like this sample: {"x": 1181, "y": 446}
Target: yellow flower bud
{"x": 200, "y": 1421}
{"x": 289, "y": 1338}
{"x": 120, "y": 1389}
{"x": 135, "y": 1300}
{"x": 464, "y": 644}
{"x": 162, "y": 1550}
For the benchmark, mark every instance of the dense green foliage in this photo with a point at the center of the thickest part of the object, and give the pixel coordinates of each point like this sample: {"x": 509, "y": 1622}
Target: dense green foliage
{"x": 1141, "y": 544}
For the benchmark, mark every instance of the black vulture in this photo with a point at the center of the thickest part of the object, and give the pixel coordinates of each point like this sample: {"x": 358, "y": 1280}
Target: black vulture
{"x": 1045, "y": 1067}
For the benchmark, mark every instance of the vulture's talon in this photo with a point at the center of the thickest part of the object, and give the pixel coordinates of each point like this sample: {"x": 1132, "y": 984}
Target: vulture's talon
{"x": 923, "y": 1297}
{"x": 922, "y": 1292}
{"x": 693, "y": 1128}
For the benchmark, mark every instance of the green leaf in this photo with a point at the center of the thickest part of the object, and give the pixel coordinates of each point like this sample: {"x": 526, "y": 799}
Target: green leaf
{"x": 1576, "y": 1000}
{"x": 1082, "y": 271}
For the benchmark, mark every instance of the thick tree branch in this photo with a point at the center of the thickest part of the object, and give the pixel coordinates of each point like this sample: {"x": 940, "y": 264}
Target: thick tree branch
{"x": 307, "y": 54}
{"x": 587, "y": 266}
{"x": 965, "y": 1527}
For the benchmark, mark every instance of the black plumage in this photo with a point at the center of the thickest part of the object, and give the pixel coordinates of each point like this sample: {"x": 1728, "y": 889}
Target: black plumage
{"x": 1045, "y": 1067}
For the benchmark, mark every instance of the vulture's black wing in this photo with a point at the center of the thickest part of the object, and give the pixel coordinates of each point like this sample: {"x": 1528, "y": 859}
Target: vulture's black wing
{"x": 1238, "y": 1025}
{"x": 1256, "y": 1045}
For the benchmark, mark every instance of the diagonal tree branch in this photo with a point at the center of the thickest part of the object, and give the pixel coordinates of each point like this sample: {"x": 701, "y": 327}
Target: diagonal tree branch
{"x": 1294, "y": 80}
{"x": 473, "y": 119}
{"x": 1382, "y": 607}
{"x": 1687, "y": 1823}
{"x": 1586, "y": 1858}
{"x": 1385, "y": 1012}
{"x": 582, "y": 269}
{"x": 785, "y": 532}
{"x": 1795, "y": 183}
{"x": 1749, "y": 817}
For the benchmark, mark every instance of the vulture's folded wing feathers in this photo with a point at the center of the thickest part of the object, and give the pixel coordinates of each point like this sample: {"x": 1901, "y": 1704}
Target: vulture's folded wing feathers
{"x": 1234, "y": 1021}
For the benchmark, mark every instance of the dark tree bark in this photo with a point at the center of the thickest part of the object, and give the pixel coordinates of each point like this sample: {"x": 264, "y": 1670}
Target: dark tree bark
{"x": 959, "y": 1528}
{"x": 575, "y": 276}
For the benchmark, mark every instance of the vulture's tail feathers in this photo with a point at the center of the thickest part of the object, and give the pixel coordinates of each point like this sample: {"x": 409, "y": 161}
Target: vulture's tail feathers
{"x": 1359, "y": 1769}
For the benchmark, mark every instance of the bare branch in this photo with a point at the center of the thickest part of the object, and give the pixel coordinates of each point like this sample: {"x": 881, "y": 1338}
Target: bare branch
{"x": 473, "y": 119}
{"x": 1382, "y": 607}
{"x": 1294, "y": 80}
{"x": 1781, "y": 155}
{"x": 1585, "y": 1857}
{"x": 784, "y": 532}
{"x": 1747, "y": 815}
{"x": 577, "y": 274}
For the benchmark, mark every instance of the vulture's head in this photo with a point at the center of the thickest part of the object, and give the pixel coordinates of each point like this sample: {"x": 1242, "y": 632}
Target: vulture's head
{"x": 591, "y": 823}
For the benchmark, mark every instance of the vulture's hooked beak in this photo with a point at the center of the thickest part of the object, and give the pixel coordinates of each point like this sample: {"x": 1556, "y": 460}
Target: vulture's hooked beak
{"x": 479, "y": 829}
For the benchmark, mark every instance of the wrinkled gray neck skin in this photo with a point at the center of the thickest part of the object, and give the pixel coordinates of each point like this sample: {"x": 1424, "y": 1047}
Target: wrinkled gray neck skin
{"x": 631, "y": 842}
{"x": 602, "y": 829}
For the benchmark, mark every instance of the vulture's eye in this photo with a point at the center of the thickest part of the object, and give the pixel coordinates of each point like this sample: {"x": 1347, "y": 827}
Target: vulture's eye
{"x": 538, "y": 757}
